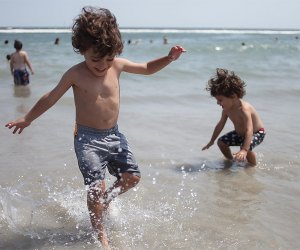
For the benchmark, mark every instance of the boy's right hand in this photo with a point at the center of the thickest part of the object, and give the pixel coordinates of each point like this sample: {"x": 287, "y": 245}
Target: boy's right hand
{"x": 207, "y": 146}
{"x": 19, "y": 124}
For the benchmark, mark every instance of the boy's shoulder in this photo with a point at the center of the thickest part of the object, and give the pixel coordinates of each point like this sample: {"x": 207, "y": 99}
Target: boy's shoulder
{"x": 77, "y": 72}
{"x": 76, "y": 68}
{"x": 246, "y": 106}
{"x": 13, "y": 54}
{"x": 120, "y": 62}
{"x": 245, "y": 103}
{"x": 22, "y": 52}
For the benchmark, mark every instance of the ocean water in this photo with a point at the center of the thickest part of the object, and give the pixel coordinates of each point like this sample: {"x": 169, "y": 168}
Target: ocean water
{"x": 187, "y": 198}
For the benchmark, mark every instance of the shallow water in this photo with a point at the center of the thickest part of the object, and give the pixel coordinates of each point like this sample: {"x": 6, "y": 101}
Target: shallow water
{"x": 187, "y": 198}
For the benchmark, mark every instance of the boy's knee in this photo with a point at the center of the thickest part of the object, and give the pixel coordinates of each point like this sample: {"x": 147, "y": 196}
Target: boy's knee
{"x": 130, "y": 179}
{"x": 221, "y": 144}
{"x": 96, "y": 190}
{"x": 135, "y": 180}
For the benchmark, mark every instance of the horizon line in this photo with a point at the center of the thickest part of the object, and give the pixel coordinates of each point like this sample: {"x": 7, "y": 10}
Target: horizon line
{"x": 153, "y": 28}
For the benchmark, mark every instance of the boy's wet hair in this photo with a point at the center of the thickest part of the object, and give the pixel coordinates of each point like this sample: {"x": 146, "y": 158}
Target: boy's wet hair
{"x": 18, "y": 45}
{"x": 226, "y": 83}
{"x": 97, "y": 28}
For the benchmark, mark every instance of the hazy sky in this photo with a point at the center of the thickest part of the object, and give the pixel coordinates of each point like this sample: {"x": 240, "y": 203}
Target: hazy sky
{"x": 281, "y": 14}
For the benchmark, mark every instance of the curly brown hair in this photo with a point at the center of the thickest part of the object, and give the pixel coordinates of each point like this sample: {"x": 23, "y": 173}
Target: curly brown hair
{"x": 226, "y": 83}
{"x": 97, "y": 28}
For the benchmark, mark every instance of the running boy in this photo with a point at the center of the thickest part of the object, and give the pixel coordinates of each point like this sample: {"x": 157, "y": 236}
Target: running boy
{"x": 228, "y": 89}
{"x": 18, "y": 62}
{"x": 95, "y": 82}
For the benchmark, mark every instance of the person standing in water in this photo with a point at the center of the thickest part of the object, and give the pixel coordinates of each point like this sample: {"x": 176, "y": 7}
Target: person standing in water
{"x": 98, "y": 143}
{"x": 18, "y": 62}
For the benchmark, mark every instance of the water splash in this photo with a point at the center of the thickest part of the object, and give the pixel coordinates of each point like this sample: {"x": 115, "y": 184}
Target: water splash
{"x": 17, "y": 210}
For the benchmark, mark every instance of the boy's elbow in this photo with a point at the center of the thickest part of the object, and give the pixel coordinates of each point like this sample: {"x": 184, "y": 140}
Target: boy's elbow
{"x": 48, "y": 100}
{"x": 151, "y": 71}
{"x": 147, "y": 73}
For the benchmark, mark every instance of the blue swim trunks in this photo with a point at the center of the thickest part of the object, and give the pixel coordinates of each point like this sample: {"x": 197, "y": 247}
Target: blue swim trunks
{"x": 21, "y": 77}
{"x": 234, "y": 139}
{"x": 98, "y": 149}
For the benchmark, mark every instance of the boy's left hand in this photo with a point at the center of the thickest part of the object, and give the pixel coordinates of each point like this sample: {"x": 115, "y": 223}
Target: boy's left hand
{"x": 241, "y": 155}
{"x": 175, "y": 52}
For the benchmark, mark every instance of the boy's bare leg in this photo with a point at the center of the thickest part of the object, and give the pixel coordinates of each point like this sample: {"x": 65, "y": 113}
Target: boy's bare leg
{"x": 225, "y": 150}
{"x": 251, "y": 158}
{"x": 126, "y": 182}
{"x": 99, "y": 199}
{"x": 97, "y": 209}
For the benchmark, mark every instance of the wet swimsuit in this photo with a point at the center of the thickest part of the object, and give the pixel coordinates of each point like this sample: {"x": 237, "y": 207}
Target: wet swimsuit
{"x": 101, "y": 149}
{"x": 21, "y": 77}
{"x": 234, "y": 139}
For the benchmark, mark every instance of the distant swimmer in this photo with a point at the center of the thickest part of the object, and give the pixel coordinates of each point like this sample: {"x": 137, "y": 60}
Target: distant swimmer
{"x": 165, "y": 39}
{"x": 56, "y": 42}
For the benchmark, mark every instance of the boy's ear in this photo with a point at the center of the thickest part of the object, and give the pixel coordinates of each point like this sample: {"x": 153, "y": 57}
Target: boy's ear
{"x": 234, "y": 96}
{"x": 82, "y": 52}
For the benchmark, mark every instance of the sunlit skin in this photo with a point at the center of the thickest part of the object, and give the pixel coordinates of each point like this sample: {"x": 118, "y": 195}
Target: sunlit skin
{"x": 96, "y": 90}
{"x": 95, "y": 84}
{"x": 19, "y": 60}
{"x": 245, "y": 120}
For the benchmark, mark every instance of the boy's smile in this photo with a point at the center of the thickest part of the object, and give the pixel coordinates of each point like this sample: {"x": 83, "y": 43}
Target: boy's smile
{"x": 97, "y": 65}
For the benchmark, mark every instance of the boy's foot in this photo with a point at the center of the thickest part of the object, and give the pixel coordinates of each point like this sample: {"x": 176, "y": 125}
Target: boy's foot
{"x": 104, "y": 241}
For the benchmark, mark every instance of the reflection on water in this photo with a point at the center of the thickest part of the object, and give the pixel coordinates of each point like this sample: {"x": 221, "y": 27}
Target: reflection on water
{"x": 206, "y": 165}
{"x": 237, "y": 194}
{"x": 21, "y": 91}
{"x": 22, "y": 109}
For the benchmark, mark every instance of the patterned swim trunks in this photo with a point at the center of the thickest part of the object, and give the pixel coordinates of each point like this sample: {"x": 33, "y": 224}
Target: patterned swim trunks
{"x": 234, "y": 139}
{"x": 21, "y": 77}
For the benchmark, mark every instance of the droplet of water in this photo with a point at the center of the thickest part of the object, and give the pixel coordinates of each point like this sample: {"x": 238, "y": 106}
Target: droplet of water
{"x": 153, "y": 181}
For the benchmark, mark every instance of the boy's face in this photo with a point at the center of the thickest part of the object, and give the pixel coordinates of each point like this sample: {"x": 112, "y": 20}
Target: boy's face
{"x": 225, "y": 102}
{"x": 97, "y": 65}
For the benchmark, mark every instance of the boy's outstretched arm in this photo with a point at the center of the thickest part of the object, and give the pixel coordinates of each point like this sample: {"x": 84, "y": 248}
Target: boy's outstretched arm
{"x": 154, "y": 65}
{"x": 219, "y": 127}
{"x": 43, "y": 104}
{"x": 27, "y": 62}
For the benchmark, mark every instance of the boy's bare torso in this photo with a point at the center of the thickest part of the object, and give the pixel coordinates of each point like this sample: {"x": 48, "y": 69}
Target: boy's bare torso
{"x": 97, "y": 99}
{"x": 238, "y": 114}
{"x": 18, "y": 60}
